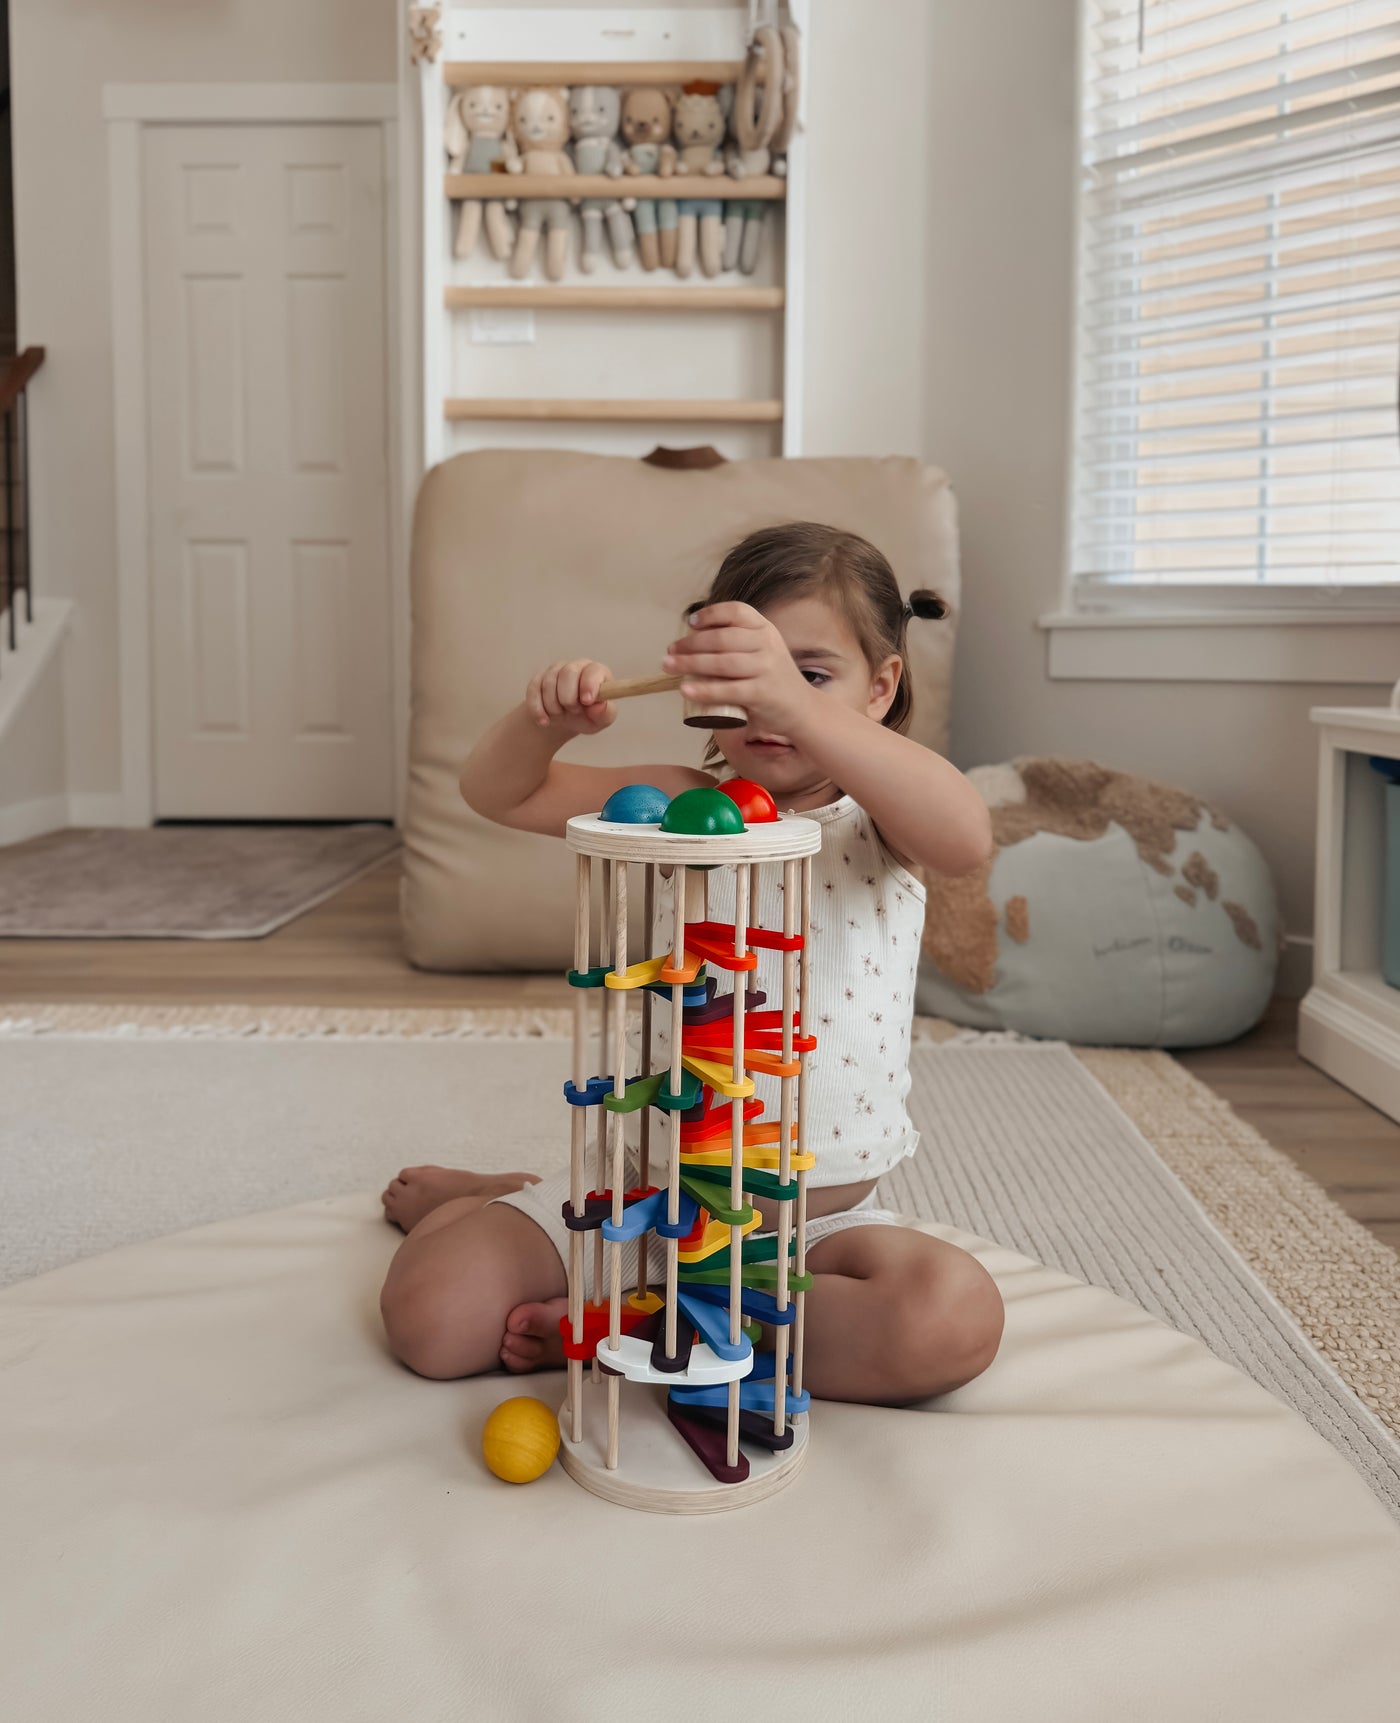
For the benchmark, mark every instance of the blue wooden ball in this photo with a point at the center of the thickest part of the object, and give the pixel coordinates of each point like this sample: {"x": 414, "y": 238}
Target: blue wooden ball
{"x": 636, "y": 805}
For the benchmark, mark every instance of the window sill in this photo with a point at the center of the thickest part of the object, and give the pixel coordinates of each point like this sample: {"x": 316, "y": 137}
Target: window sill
{"x": 1352, "y": 646}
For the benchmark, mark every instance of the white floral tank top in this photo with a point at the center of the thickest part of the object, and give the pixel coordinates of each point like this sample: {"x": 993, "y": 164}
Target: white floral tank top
{"x": 867, "y": 921}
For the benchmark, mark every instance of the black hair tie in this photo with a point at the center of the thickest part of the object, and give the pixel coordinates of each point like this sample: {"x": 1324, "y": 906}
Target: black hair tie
{"x": 926, "y": 605}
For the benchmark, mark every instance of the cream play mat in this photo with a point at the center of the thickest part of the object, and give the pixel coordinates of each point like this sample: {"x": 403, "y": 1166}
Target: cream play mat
{"x": 222, "y": 1500}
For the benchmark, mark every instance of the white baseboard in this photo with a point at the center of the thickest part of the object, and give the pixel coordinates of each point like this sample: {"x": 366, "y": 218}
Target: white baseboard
{"x": 23, "y": 820}
{"x": 1352, "y": 1048}
{"x": 100, "y": 809}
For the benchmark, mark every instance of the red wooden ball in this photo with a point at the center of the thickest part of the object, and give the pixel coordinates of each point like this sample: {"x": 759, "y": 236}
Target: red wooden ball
{"x": 752, "y": 800}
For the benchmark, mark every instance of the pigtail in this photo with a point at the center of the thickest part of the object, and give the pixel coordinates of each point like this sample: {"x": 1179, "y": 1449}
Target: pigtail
{"x": 926, "y": 605}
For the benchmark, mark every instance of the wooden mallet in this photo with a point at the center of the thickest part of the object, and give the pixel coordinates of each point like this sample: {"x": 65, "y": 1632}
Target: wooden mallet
{"x": 697, "y": 716}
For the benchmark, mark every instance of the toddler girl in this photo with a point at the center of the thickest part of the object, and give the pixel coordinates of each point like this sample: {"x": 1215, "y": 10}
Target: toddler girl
{"x": 804, "y": 630}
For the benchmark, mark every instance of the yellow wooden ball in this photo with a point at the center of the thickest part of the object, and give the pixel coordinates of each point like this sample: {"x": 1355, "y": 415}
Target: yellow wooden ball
{"x": 520, "y": 1439}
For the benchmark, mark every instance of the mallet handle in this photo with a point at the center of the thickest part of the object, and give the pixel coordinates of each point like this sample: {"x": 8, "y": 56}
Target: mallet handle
{"x": 626, "y": 687}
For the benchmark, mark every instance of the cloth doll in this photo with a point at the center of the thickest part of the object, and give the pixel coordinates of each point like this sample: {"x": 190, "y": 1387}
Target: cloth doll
{"x": 540, "y": 125}
{"x": 753, "y": 124}
{"x": 476, "y": 135}
{"x": 699, "y": 132}
{"x": 594, "y": 113}
{"x": 646, "y": 130}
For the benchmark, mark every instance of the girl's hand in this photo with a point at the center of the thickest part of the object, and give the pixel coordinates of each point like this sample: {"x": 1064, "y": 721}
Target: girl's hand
{"x": 734, "y": 656}
{"x": 565, "y": 697}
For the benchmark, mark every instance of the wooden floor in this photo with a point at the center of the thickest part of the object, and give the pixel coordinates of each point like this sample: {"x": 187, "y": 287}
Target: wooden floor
{"x": 347, "y": 953}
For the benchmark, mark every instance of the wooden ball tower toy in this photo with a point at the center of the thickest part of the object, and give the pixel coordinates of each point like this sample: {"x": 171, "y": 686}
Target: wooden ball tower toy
{"x": 714, "y": 1417}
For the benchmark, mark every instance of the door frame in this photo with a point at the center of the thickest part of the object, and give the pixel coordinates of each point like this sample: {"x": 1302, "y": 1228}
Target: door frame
{"x": 128, "y": 109}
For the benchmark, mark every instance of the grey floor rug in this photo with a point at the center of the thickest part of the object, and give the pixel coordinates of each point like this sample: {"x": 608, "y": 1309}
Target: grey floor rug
{"x": 180, "y": 882}
{"x": 105, "y": 1139}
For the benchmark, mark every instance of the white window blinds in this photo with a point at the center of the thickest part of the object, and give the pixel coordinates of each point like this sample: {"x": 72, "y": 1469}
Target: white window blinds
{"x": 1239, "y": 296}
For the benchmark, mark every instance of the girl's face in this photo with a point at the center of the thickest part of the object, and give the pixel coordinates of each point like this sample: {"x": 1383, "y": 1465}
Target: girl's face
{"x": 826, "y": 650}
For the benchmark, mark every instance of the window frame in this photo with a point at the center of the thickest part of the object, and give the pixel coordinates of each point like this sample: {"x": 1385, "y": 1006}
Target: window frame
{"x": 1198, "y": 631}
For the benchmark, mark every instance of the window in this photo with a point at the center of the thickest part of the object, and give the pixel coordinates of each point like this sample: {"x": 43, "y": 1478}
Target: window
{"x": 1238, "y": 302}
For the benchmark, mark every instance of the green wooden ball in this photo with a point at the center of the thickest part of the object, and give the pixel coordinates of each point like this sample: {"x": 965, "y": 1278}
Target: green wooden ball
{"x": 703, "y": 813}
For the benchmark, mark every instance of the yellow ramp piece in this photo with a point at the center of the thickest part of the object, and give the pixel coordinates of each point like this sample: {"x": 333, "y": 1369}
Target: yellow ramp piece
{"x": 762, "y": 1159}
{"x": 636, "y": 974}
{"x": 719, "y": 1077}
{"x": 716, "y": 1237}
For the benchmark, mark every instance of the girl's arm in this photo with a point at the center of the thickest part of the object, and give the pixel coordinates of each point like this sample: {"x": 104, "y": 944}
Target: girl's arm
{"x": 512, "y": 777}
{"x": 924, "y": 808}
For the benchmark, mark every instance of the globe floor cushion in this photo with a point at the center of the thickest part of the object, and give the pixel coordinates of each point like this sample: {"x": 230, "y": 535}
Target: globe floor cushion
{"x": 223, "y": 1500}
{"x": 1114, "y": 912}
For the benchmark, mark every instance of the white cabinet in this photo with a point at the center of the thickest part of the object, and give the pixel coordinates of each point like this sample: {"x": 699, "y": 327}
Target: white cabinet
{"x": 1349, "y": 1023}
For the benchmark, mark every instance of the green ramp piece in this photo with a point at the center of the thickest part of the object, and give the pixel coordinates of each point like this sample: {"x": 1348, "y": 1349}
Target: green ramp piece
{"x": 716, "y": 1199}
{"x": 638, "y": 1092}
{"x": 756, "y": 1182}
{"x": 586, "y": 977}
{"x": 757, "y": 1249}
{"x": 758, "y": 1276}
{"x": 689, "y": 1094}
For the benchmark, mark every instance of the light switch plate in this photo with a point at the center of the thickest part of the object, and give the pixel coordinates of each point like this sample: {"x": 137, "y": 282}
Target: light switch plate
{"x": 503, "y": 326}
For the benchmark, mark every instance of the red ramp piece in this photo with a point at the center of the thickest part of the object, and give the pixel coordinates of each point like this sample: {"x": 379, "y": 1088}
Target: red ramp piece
{"x": 714, "y": 943}
{"x": 711, "y": 1446}
{"x": 595, "y": 1327}
{"x": 720, "y": 934}
{"x": 715, "y": 1120}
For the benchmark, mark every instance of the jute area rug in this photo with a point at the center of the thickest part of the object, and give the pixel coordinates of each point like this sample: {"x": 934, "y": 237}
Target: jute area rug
{"x": 180, "y": 882}
{"x": 1119, "y": 1168}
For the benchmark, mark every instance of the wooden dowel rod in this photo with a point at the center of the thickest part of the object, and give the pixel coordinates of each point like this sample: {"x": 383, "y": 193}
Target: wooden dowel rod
{"x": 577, "y": 410}
{"x": 628, "y": 687}
{"x": 570, "y": 298}
{"x": 787, "y": 1117}
{"x": 673, "y": 1193}
{"x": 462, "y": 74}
{"x": 764, "y": 188}
{"x": 578, "y": 1141}
{"x": 617, "y": 1124}
{"x": 804, "y": 970}
{"x": 644, "y": 1168}
{"x": 736, "y": 1149}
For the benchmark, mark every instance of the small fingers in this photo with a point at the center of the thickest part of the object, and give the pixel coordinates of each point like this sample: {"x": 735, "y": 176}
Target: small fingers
{"x": 534, "y": 700}
{"x": 549, "y": 693}
{"x": 566, "y": 688}
{"x": 734, "y": 664}
{"x": 591, "y": 680}
{"x": 730, "y": 614}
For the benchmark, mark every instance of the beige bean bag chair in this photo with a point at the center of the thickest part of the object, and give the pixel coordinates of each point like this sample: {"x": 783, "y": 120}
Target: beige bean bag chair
{"x": 523, "y": 557}
{"x": 223, "y": 1503}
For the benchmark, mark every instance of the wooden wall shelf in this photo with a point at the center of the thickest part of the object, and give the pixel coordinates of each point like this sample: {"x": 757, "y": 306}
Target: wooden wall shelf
{"x": 462, "y": 73}
{"x": 768, "y": 187}
{"x": 577, "y": 298}
{"x": 579, "y": 411}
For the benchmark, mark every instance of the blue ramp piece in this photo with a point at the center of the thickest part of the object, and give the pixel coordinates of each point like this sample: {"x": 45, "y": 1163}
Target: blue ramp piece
{"x": 689, "y": 995}
{"x": 761, "y": 1306}
{"x": 753, "y": 1397}
{"x": 592, "y": 1094}
{"x": 689, "y": 1212}
{"x": 637, "y": 1218}
{"x": 713, "y": 1324}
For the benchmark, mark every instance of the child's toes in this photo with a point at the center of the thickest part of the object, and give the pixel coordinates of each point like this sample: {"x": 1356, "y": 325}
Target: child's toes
{"x": 521, "y": 1352}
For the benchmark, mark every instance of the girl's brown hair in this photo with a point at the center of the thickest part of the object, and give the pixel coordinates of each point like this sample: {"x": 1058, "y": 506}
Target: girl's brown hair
{"x": 802, "y": 558}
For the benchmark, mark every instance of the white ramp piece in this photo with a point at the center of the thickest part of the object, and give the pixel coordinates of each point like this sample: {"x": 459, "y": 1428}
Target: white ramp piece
{"x": 633, "y": 1360}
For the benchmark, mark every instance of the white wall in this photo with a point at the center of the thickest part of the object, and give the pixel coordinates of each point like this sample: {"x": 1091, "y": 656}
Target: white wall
{"x": 62, "y": 52}
{"x": 1000, "y": 100}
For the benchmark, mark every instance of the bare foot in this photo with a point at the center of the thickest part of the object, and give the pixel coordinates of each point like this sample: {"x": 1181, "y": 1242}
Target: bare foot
{"x": 532, "y": 1340}
{"x": 417, "y": 1191}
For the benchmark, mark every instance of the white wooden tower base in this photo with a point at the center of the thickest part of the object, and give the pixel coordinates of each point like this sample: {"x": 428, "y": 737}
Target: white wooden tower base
{"x": 656, "y": 1470}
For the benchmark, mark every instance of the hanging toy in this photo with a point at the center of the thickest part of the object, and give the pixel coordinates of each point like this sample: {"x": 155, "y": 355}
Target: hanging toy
{"x": 594, "y": 114}
{"x": 476, "y": 135}
{"x": 699, "y": 132}
{"x": 753, "y": 125}
{"x": 646, "y": 130}
{"x": 540, "y": 125}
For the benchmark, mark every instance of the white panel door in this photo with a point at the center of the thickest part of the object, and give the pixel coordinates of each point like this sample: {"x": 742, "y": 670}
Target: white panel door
{"x": 268, "y": 461}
